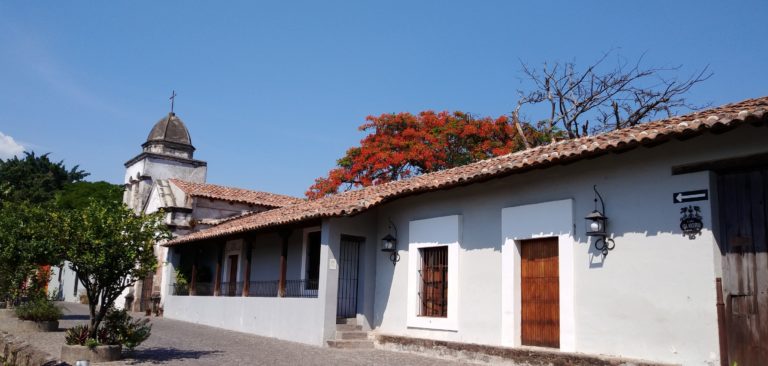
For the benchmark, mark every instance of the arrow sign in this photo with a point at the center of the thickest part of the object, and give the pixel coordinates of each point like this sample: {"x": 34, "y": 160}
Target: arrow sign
{"x": 689, "y": 196}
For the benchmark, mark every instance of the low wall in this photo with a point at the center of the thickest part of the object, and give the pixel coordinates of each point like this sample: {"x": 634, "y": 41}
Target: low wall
{"x": 16, "y": 352}
{"x": 531, "y": 356}
{"x": 291, "y": 319}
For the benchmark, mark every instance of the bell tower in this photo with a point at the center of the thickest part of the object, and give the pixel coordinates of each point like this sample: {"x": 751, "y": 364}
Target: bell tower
{"x": 167, "y": 153}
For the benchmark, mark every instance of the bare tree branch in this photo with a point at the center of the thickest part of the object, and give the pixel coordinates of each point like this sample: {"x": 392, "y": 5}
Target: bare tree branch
{"x": 622, "y": 96}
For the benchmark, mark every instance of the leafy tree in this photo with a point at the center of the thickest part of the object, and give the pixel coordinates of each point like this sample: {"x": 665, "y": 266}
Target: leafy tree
{"x": 578, "y": 102}
{"x": 79, "y": 194}
{"x": 26, "y": 242}
{"x": 403, "y": 145}
{"x": 35, "y": 178}
{"x": 110, "y": 248}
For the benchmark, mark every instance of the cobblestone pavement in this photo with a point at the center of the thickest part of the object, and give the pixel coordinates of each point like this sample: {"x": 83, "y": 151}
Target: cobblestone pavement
{"x": 180, "y": 343}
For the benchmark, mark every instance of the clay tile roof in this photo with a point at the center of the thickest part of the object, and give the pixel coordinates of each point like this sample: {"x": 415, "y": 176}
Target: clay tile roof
{"x": 353, "y": 202}
{"x": 217, "y": 192}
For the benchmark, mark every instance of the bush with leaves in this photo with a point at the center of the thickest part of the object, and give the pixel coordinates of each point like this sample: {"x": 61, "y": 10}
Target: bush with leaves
{"x": 39, "y": 309}
{"x": 26, "y": 243}
{"x": 118, "y": 327}
{"x": 128, "y": 331}
{"x": 109, "y": 247}
{"x": 77, "y": 335}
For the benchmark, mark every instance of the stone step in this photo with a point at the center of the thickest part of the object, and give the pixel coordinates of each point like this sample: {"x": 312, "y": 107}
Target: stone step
{"x": 351, "y": 344}
{"x": 355, "y": 334}
{"x": 348, "y": 327}
{"x": 346, "y": 321}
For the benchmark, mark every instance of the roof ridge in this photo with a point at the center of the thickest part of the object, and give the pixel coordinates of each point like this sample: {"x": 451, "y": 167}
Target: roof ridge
{"x": 232, "y": 187}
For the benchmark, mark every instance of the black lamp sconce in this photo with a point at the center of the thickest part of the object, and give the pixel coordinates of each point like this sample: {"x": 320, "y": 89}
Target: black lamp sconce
{"x": 389, "y": 244}
{"x": 596, "y": 221}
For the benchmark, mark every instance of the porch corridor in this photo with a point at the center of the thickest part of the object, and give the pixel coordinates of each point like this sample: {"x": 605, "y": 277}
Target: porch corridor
{"x": 180, "y": 343}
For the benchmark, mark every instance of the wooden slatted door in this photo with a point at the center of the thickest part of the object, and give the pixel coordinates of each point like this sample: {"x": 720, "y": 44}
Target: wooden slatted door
{"x": 146, "y": 293}
{"x": 540, "y": 293}
{"x": 743, "y": 242}
{"x": 349, "y": 261}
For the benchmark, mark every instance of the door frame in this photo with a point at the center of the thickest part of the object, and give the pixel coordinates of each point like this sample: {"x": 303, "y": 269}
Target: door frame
{"x": 539, "y": 220}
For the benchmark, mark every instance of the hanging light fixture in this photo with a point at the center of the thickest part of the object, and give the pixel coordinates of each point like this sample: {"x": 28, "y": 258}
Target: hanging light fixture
{"x": 389, "y": 244}
{"x": 596, "y": 226}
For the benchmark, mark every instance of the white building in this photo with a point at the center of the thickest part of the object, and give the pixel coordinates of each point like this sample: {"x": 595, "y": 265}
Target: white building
{"x": 496, "y": 256}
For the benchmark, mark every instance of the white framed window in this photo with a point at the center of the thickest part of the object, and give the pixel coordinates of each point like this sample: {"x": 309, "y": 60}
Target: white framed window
{"x": 433, "y": 273}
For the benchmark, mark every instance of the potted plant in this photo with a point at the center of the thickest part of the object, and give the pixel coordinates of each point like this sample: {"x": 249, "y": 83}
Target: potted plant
{"x": 79, "y": 346}
{"x": 118, "y": 329}
{"x": 39, "y": 314}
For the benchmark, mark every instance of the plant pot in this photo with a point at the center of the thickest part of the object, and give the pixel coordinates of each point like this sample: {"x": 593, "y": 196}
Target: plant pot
{"x": 43, "y": 326}
{"x": 3, "y": 305}
{"x": 72, "y": 353}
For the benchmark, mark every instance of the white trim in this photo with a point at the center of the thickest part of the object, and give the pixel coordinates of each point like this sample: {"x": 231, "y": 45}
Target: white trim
{"x": 547, "y": 219}
{"x": 233, "y": 247}
{"x": 439, "y": 231}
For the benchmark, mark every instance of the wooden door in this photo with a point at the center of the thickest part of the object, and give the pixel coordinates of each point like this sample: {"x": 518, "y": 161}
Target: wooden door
{"x": 232, "y": 278}
{"x": 145, "y": 303}
{"x": 743, "y": 240}
{"x": 540, "y": 293}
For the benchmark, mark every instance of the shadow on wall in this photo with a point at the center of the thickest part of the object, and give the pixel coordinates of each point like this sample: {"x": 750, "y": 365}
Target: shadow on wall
{"x": 159, "y": 355}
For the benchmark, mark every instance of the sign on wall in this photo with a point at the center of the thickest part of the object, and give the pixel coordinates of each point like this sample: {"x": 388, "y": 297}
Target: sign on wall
{"x": 690, "y": 196}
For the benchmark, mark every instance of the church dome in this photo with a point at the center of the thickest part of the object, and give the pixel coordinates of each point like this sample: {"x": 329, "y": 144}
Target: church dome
{"x": 170, "y": 129}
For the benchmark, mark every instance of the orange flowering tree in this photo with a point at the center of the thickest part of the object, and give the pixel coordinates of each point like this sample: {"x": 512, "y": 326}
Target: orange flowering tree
{"x": 402, "y": 145}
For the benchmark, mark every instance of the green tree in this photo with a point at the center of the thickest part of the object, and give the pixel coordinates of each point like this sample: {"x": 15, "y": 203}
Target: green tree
{"x": 110, "y": 248}
{"x": 35, "y": 178}
{"x": 26, "y": 242}
{"x": 79, "y": 194}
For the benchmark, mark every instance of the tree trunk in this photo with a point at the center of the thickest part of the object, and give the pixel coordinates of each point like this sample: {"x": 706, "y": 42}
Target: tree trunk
{"x": 94, "y": 319}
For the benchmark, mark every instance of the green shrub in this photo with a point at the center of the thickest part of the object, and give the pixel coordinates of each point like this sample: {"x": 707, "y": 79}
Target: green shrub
{"x": 118, "y": 328}
{"x": 128, "y": 331}
{"x": 39, "y": 309}
{"x": 77, "y": 335}
{"x": 91, "y": 343}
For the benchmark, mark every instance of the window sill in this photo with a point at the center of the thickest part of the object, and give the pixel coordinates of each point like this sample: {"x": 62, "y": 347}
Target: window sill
{"x": 434, "y": 323}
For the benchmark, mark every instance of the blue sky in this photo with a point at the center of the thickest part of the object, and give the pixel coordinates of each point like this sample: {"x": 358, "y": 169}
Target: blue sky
{"x": 273, "y": 92}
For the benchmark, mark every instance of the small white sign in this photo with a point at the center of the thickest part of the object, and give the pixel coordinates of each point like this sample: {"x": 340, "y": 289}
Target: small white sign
{"x": 332, "y": 264}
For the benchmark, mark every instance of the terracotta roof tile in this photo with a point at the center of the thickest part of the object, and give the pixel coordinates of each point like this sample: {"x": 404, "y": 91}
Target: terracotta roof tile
{"x": 213, "y": 191}
{"x": 353, "y": 202}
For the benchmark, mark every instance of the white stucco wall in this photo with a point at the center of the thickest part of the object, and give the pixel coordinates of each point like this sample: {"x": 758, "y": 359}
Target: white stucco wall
{"x": 63, "y": 287}
{"x": 206, "y": 208}
{"x": 364, "y": 227}
{"x": 653, "y": 297}
{"x": 159, "y": 168}
{"x": 294, "y": 319}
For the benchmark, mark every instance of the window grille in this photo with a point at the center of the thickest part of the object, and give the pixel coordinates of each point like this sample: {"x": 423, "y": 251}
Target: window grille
{"x": 434, "y": 282}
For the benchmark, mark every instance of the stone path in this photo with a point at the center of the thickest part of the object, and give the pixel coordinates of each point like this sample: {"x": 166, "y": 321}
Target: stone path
{"x": 180, "y": 343}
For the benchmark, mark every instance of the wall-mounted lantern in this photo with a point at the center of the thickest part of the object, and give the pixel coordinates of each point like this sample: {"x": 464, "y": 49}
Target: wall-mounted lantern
{"x": 389, "y": 244}
{"x": 596, "y": 226}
